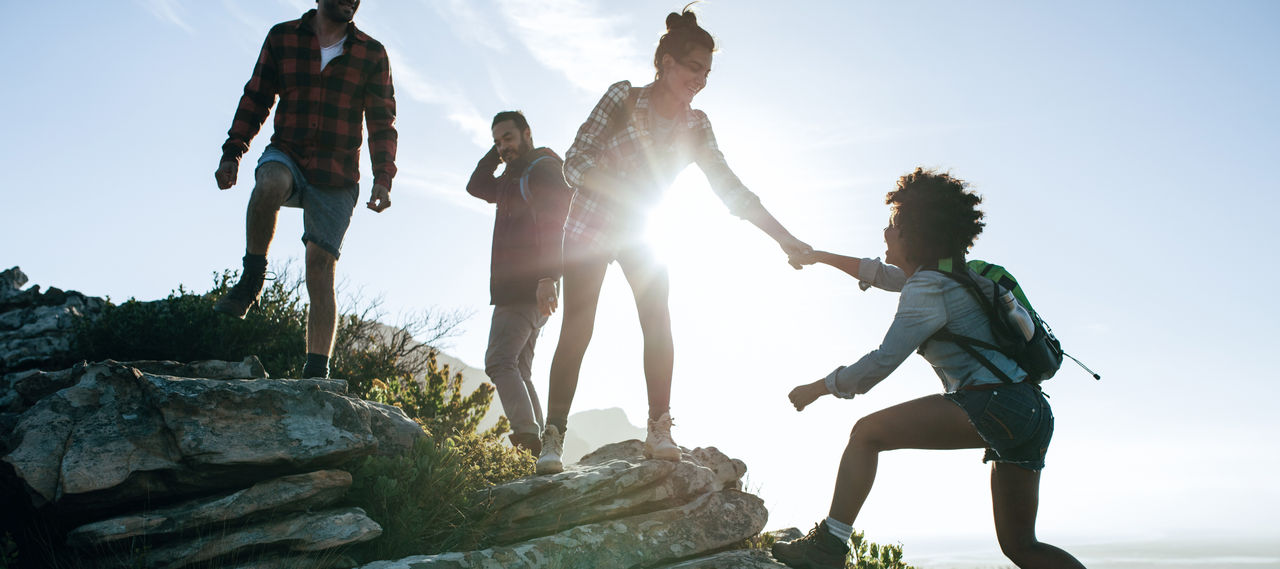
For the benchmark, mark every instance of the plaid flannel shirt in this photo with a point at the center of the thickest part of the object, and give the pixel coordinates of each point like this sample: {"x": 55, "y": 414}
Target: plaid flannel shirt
{"x": 607, "y": 218}
{"x": 318, "y": 121}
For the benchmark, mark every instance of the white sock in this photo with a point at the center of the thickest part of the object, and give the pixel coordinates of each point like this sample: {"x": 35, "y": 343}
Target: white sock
{"x": 839, "y": 529}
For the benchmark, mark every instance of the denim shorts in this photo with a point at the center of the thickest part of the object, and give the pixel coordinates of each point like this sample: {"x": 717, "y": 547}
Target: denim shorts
{"x": 1015, "y": 420}
{"x": 326, "y": 212}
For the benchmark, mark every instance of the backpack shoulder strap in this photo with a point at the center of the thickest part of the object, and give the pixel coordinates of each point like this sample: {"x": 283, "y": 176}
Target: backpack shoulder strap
{"x": 962, "y": 275}
{"x": 524, "y": 185}
{"x": 622, "y": 115}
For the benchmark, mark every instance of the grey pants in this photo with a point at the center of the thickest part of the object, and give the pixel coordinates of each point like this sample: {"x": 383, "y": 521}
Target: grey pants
{"x": 509, "y": 361}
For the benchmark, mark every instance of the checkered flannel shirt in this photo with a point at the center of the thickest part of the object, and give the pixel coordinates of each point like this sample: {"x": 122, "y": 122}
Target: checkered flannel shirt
{"x": 630, "y": 153}
{"x": 318, "y": 120}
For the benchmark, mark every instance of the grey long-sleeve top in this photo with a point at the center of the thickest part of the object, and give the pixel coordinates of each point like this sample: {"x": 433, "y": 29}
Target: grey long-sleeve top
{"x": 928, "y": 302}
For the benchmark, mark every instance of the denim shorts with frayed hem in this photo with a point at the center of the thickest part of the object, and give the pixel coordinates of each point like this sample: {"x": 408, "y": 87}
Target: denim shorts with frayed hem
{"x": 326, "y": 212}
{"x": 1015, "y": 421}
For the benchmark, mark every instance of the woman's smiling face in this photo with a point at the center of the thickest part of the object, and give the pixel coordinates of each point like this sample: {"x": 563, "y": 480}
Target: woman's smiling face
{"x": 686, "y": 76}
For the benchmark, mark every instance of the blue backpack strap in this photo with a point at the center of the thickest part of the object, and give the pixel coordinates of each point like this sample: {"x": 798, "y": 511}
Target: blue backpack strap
{"x": 524, "y": 186}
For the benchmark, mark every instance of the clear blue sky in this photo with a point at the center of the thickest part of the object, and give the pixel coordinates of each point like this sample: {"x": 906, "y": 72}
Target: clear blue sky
{"x": 1125, "y": 150}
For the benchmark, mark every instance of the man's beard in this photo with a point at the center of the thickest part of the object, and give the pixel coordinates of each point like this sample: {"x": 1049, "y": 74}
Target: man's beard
{"x": 335, "y": 12}
{"x": 517, "y": 153}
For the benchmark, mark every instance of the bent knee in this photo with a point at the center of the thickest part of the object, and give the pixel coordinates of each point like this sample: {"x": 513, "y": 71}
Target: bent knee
{"x": 868, "y": 433}
{"x": 500, "y": 365}
{"x": 273, "y": 182}
{"x": 1017, "y": 553}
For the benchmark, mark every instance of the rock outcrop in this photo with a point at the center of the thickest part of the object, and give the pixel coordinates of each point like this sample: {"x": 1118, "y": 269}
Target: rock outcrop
{"x": 214, "y": 464}
{"x": 120, "y": 436}
{"x": 197, "y": 470}
{"x": 617, "y": 509}
{"x": 36, "y": 327}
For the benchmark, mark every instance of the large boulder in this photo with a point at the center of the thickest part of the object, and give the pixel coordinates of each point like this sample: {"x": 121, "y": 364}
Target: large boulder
{"x": 712, "y": 521}
{"x": 614, "y": 509}
{"x": 735, "y": 559}
{"x": 311, "y": 490}
{"x": 118, "y": 437}
{"x": 303, "y": 533}
{"x": 614, "y": 481}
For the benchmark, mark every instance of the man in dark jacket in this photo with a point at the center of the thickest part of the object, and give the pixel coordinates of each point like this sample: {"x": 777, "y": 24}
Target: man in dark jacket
{"x": 329, "y": 78}
{"x": 532, "y": 200}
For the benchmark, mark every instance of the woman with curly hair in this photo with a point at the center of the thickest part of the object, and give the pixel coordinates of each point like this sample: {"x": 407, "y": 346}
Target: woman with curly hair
{"x": 630, "y": 149}
{"x": 934, "y": 219}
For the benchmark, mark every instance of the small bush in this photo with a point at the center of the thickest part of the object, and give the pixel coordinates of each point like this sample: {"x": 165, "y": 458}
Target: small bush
{"x": 863, "y": 555}
{"x": 436, "y": 402}
{"x": 183, "y": 327}
{"x": 870, "y": 555}
{"x": 429, "y": 501}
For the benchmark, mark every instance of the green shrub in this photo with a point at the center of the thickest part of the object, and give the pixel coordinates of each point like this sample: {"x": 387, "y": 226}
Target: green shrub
{"x": 429, "y": 501}
{"x": 863, "y": 555}
{"x": 437, "y": 402}
{"x": 183, "y": 327}
{"x": 870, "y": 555}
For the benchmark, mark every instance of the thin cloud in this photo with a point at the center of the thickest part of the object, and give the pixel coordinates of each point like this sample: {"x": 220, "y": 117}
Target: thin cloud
{"x": 169, "y": 11}
{"x": 470, "y": 25}
{"x": 573, "y": 37}
{"x": 458, "y": 107}
{"x": 447, "y": 187}
{"x": 299, "y": 6}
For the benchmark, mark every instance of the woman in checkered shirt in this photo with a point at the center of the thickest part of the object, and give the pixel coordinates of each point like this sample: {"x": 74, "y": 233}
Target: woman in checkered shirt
{"x": 631, "y": 147}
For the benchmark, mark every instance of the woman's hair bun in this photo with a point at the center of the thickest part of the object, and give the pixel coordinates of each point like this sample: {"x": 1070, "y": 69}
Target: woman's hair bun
{"x": 685, "y": 18}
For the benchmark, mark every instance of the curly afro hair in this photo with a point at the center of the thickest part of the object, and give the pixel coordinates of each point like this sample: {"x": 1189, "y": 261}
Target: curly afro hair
{"x": 937, "y": 215}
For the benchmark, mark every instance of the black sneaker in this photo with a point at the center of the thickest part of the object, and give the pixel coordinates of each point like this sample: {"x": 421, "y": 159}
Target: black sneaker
{"x": 816, "y": 550}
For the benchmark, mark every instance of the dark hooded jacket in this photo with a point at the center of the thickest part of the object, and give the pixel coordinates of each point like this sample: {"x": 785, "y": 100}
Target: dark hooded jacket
{"x": 527, "y": 234}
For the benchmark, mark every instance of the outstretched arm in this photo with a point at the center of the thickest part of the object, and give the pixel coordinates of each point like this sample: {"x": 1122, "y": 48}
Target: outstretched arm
{"x": 869, "y": 272}
{"x": 794, "y": 248}
{"x": 735, "y": 195}
{"x": 849, "y": 265}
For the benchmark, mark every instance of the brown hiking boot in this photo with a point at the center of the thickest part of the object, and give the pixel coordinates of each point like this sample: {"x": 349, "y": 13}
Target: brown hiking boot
{"x": 816, "y": 550}
{"x": 245, "y": 293}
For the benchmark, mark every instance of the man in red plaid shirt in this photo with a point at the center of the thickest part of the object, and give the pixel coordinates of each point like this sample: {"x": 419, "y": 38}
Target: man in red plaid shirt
{"x": 329, "y": 77}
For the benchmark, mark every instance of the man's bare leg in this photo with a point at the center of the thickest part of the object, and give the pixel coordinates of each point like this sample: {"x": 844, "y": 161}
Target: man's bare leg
{"x": 322, "y": 317}
{"x": 272, "y": 186}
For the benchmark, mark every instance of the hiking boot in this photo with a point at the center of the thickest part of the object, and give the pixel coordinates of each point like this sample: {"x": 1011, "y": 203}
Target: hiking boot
{"x": 816, "y": 550}
{"x": 316, "y": 367}
{"x": 552, "y": 447}
{"x": 658, "y": 443}
{"x": 527, "y": 442}
{"x": 244, "y": 294}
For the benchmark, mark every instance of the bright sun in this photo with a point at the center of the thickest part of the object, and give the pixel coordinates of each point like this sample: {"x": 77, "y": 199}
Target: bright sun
{"x": 684, "y": 225}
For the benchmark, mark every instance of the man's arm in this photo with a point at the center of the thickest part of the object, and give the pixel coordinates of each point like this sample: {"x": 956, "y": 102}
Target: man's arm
{"x": 380, "y": 118}
{"x": 255, "y": 104}
{"x": 483, "y": 184}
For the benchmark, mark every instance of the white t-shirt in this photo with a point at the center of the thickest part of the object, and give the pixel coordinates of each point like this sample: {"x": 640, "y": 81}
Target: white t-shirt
{"x": 328, "y": 53}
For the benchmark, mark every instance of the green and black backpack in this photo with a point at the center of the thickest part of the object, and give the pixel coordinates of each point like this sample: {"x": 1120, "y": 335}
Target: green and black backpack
{"x": 1020, "y": 334}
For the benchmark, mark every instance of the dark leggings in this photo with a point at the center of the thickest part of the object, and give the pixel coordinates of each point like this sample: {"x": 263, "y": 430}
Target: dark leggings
{"x": 583, "y": 276}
